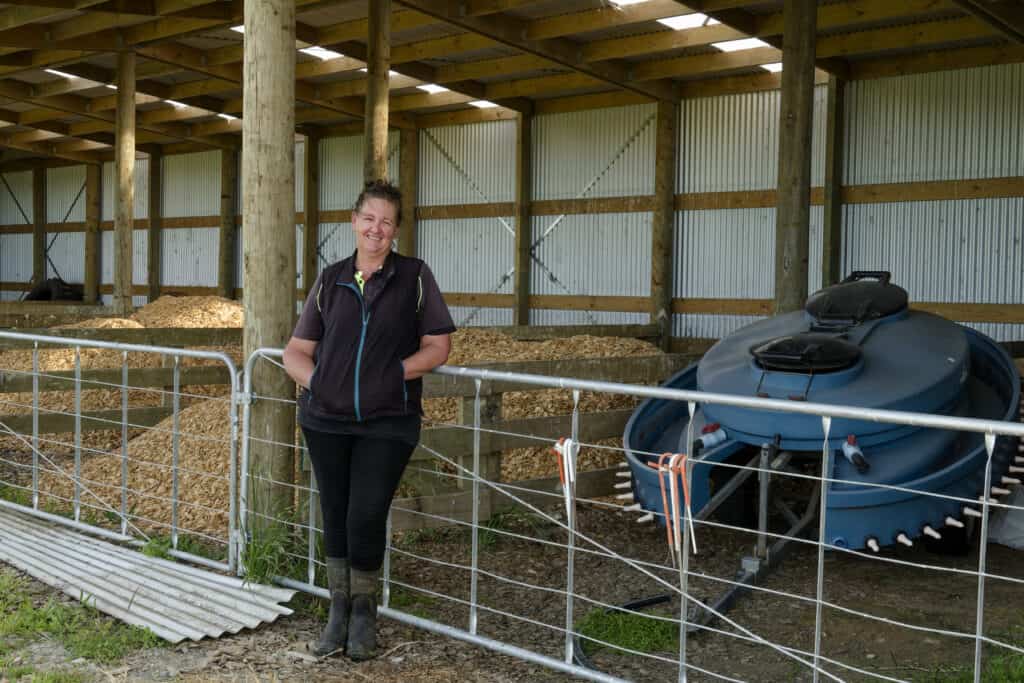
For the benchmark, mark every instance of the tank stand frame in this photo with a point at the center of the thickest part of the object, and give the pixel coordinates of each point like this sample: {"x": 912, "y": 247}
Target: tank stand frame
{"x": 753, "y": 568}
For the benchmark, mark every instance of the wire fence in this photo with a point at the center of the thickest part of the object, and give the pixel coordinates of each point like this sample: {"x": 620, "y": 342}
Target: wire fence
{"x": 621, "y": 562}
{"x": 595, "y": 578}
{"x": 132, "y": 442}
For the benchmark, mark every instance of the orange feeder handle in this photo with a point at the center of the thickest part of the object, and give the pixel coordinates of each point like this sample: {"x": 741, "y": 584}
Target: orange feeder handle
{"x": 670, "y": 512}
{"x": 561, "y": 465}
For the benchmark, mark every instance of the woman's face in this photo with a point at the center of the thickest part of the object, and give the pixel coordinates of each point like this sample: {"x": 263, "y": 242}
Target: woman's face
{"x": 375, "y": 225}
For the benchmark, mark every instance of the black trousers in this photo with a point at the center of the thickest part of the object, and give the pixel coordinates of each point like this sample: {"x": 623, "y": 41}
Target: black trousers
{"x": 357, "y": 477}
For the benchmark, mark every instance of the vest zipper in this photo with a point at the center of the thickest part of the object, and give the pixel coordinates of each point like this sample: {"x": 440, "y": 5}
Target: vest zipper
{"x": 362, "y": 341}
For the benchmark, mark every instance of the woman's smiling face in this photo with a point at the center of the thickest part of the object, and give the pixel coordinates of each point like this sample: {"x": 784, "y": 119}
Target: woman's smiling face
{"x": 375, "y": 224}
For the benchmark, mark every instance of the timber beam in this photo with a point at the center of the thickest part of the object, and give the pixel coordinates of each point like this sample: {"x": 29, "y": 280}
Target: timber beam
{"x": 1005, "y": 16}
{"x": 510, "y": 31}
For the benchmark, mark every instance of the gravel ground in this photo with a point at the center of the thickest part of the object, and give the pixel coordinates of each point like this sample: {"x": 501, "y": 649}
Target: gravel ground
{"x": 277, "y": 652}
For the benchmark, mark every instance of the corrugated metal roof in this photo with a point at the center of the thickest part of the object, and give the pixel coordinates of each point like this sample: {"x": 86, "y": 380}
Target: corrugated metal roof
{"x": 173, "y": 600}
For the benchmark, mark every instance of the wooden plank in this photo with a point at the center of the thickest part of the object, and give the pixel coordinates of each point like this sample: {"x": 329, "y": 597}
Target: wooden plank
{"x": 445, "y": 509}
{"x": 156, "y": 212}
{"x": 792, "y": 223}
{"x": 937, "y": 190}
{"x": 378, "y": 63}
{"x": 52, "y": 423}
{"x": 724, "y": 306}
{"x": 523, "y": 224}
{"x": 455, "y": 211}
{"x": 92, "y": 233}
{"x": 124, "y": 173}
{"x": 38, "y": 225}
{"x": 1006, "y": 17}
{"x": 541, "y": 332}
{"x": 558, "y": 302}
{"x": 663, "y": 221}
{"x": 521, "y": 433}
{"x": 557, "y": 207}
{"x": 12, "y": 382}
{"x": 633, "y": 370}
{"x": 463, "y": 116}
{"x": 939, "y": 60}
{"x": 973, "y": 313}
{"x": 832, "y": 231}
{"x": 227, "y": 240}
{"x": 408, "y": 180}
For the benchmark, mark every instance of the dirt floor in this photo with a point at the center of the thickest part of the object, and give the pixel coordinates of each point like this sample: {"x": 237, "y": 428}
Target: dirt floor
{"x": 927, "y": 598}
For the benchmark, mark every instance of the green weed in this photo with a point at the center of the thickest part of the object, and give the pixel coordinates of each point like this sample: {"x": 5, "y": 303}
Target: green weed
{"x": 632, "y": 630}
{"x": 513, "y": 520}
{"x": 999, "y": 666}
{"x": 411, "y": 602}
{"x": 81, "y": 628}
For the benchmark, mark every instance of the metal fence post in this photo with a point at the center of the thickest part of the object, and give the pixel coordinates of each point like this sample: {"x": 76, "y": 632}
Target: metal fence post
{"x": 990, "y": 444}
{"x": 474, "y": 578}
{"x": 826, "y": 473}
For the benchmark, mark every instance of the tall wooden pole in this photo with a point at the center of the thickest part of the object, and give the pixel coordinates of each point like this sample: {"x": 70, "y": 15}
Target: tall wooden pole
{"x": 93, "y": 173}
{"x": 524, "y": 227}
{"x": 663, "y": 221}
{"x": 378, "y": 61}
{"x": 408, "y": 181}
{"x": 793, "y": 215}
{"x": 156, "y": 223}
{"x": 38, "y": 225}
{"x": 268, "y": 219}
{"x": 228, "y": 244}
{"x": 311, "y": 207}
{"x": 832, "y": 235}
{"x": 124, "y": 172}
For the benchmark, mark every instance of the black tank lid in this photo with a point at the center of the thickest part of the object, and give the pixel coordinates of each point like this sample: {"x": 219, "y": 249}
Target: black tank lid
{"x": 857, "y": 299}
{"x": 806, "y": 352}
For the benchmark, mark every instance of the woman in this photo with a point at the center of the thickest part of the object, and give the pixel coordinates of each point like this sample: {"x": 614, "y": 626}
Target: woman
{"x": 372, "y": 326}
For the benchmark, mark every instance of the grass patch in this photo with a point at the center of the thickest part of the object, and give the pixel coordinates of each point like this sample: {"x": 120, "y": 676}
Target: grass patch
{"x": 633, "y": 630}
{"x": 512, "y": 520}
{"x": 998, "y": 665}
{"x": 81, "y": 628}
{"x": 412, "y": 602}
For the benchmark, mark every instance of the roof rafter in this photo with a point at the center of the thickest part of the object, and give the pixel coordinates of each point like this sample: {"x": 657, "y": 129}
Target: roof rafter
{"x": 511, "y": 32}
{"x": 1005, "y": 17}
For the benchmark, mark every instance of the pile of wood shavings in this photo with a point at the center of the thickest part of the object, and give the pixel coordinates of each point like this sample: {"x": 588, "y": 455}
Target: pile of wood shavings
{"x": 203, "y": 466}
{"x": 476, "y": 346}
{"x": 191, "y": 311}
{"x": 168, "y": 311}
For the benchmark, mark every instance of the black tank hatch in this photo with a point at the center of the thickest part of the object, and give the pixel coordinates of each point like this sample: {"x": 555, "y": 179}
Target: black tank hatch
{"x": 857, "y": 299}
{"x": 808, "y": 352}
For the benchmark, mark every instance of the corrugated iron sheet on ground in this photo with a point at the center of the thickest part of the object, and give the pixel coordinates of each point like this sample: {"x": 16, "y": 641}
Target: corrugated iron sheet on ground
{"x": 173, "y": 600}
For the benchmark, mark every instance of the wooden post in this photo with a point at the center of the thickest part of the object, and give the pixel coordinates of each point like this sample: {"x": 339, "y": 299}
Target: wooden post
{"x": 793, "y": 214}
{"x": 227, "y": 244}
{"x": 93, "y": 173}
{"x": 832, "y": 231}
{"x": 268, "y": 277}
{"x": 524, "y": 224}
{"x": 311, "y": 207}
{"x": 156, "y": 223}
{"x": 663, "y": 219}
{"x": 38, "y": 225}
{"x": 378, "y": 61}
{"x": 124, "y": 191}
{"x": 408, "y": 181}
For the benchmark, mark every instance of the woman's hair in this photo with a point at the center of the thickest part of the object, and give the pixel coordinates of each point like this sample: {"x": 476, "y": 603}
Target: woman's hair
{"x": 381, "y": 189}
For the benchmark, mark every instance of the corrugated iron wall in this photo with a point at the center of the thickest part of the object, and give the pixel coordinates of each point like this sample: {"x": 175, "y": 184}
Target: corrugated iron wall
{"x": 730, "y": 143}
{"x": 951, "y": 125}
{"x": 585, "y": 155}
{"x": 190, "y": 185}
{"x": 469, "y": 164}
{"x": 15, "y": 249}
{"x": 65, "y": 202}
